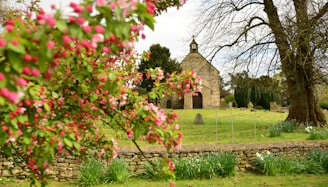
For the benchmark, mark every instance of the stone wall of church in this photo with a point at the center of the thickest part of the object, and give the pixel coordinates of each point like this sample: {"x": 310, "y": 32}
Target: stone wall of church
{"x": 210, "y": 79}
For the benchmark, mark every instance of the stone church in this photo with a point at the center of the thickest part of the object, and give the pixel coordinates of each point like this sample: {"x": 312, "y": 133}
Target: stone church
{"x": 209, "y": 97}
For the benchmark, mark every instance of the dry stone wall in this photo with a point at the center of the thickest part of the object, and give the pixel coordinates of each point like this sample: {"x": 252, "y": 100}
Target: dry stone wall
{"x": 67, "y": 168}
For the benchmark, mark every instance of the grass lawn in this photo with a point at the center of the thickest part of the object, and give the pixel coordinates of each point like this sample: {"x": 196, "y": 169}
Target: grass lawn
{"x": 226, "y": 126}
{"x": 240, "y": 180}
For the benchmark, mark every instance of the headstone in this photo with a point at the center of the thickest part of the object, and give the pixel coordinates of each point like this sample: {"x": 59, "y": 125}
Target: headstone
{"x": 230, "y": 104}
{"x": 325, "y": 112}
{"x": 274, "y": 107}
{"x": 223, "y": 104}
{"x": 198, "y": 119}
{"x": 250, "y": 105}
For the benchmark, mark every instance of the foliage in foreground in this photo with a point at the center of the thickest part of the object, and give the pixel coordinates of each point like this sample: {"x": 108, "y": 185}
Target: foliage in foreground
{"x": 155, "y": 170}
{"x": 317, "y": 134}
{"x": 205, "y": 166}
{"x": 273, "y": 165}
{"x": 54, "y": 88}
{"x": 90, "y": 173}
{"x": 93, "y": 172}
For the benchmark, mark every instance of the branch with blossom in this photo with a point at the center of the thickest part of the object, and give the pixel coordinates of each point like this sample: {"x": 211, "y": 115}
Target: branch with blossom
{"x": 54, "y": 89}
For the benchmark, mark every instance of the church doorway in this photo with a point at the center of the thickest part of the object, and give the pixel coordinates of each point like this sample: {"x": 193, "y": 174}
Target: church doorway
{"x": 169, "y": 104}
{"x": 197, "y": 100}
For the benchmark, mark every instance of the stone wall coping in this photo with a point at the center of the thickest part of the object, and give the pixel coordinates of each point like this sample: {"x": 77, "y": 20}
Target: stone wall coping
{"x": 224, "y": 147}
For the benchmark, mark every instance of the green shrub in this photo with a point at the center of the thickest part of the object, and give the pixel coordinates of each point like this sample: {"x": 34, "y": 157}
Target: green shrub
{"x": 320, "y": 156}
{"x": 272, "y": 165}
{"x": 91, "y": 173}
{"x": 156, "y": 171}
{"x": 117, "y": 171}
{"x": 324, "y": 104}
{"x": 185, "y": 168}
{"x": 228, "y": 162}
{"x": 313, "y": 167}
{"x": 206, "y": 166}
{"x": 288, "y": 126}
{"x": 4, "y": 180}
{"x": 274, "y": 131}
{"x": 267, "y": 163}
{"x": 230, "y": 98}
{"x": 321, "y": 134}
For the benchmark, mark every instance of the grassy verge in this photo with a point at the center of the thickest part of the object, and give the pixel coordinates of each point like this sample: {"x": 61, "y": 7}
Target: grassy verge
{"x": 240, "y": 180}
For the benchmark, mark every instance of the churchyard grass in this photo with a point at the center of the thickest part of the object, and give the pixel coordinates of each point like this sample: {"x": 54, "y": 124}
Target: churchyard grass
{"x": 230, "y": 126}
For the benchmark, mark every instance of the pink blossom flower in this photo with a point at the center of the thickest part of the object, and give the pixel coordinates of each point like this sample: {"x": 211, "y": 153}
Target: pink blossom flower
{"x": 9, "y": 27}
{"x": 21, "y": 82}
{"x": 90, "y": 8}
{"x": 4, "y": 92}
{"x": 99, "y": 29}
{"x": 106, "y": 50}
{"x": 80, "y": 21}
{"x": 66, "y": 39}
{"x": 2, "y": 76}
{"x": 11, "y": 139}
{"x": 51, "y": 21}
{"x": 27, "y": 57}
{"x": 27, "y": 71}
{"x": 50, "y": 44}
{"x": 4, "y": 128}
{"x": 35, "y": 72}
{"x": 20, "y": 133}
{"x": 101, "y": 3}
{"x": 2, "y": 43}
{"x": 87, "y": 29}
{"x": 14, "y": 42}
{"x": 53, "y": 6}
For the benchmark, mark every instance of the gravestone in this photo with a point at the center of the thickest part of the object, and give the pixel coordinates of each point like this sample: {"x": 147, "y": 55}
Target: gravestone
{"x": 223, "y": 104}
{"x": 250, "y": 105}
{"x": 198, "y": 119}
{"x": 325, "y": 112}
{"x": 230, "y": 105}
{"x": 274, "y": 107}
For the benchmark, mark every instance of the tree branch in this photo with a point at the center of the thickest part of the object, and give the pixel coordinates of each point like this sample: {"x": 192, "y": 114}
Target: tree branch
{"x": 321, "y": 13}
{"x": 134, "y": 142}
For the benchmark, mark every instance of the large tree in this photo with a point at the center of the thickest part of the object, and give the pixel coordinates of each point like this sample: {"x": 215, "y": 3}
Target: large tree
{"x": 283, "y": 34}
{"x": 159, "y": 57}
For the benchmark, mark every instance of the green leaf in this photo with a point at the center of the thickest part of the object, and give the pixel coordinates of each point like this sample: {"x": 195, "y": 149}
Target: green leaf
{"x": 46, "y": 107}
{"x": 22, "y": 119}
{"x": 27, "y": 140}
{"x": 17, "y": 48}
{"x": 68, "y": 142}
{"x": 14, "y": 123}
{"x": 3, "y": 83}
{"x": 15, "y": 61}
{"x": 54, "y": 94}
{"x": 93, "y": 97}
{"x": 2, "y": 101}
{"x": 61, "y": 25}
{"x": 90, "y": 69}
{"x": 111, "y": 76}
{"x": 76, "y": 145}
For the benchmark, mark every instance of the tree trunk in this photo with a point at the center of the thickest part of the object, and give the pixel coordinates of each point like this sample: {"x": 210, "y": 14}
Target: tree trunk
{"x": 297, "y": 64}
{"x": 304, "y": 108}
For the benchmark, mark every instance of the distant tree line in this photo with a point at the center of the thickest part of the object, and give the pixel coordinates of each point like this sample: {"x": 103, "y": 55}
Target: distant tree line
{"x": 260, "y": 91}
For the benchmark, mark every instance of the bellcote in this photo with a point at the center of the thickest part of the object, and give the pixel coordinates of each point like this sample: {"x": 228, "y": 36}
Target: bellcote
{"x": 193, "y": 46}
